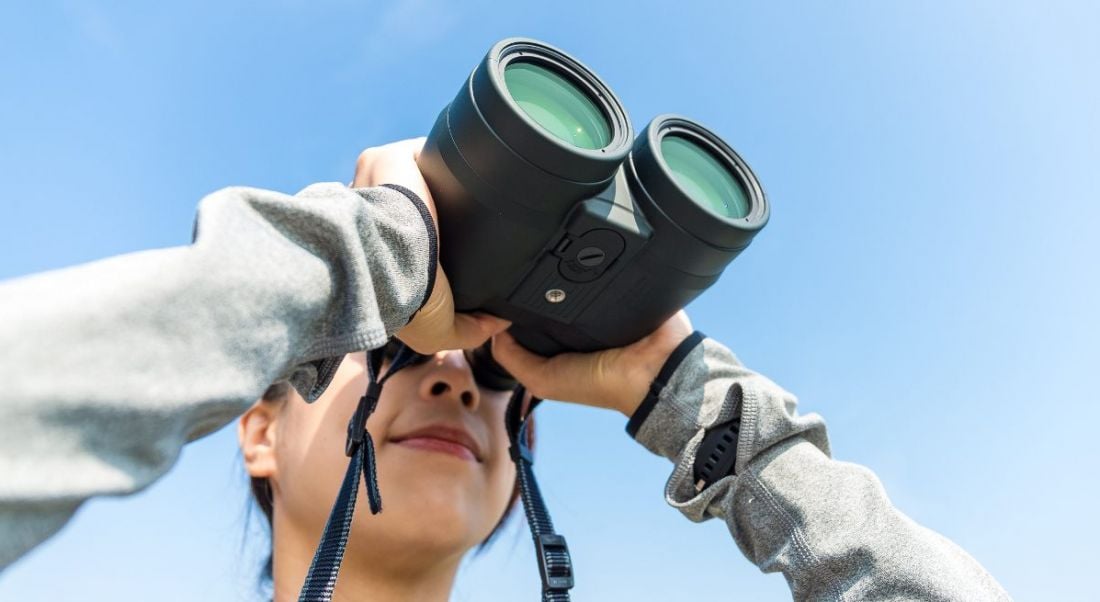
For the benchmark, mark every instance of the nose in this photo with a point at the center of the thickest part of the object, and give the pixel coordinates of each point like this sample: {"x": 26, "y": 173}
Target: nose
{"x": 448, "y": 378}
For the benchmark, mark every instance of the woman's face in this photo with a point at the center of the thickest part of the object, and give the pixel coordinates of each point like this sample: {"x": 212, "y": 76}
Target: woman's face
{"x": 442, "y": 456}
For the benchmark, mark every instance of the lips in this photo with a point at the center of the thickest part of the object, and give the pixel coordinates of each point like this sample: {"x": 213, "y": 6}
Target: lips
{"x": 444, "y": 439}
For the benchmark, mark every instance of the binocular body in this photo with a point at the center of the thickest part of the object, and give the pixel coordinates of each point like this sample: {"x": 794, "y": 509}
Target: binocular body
{"x": 553, "y": 216}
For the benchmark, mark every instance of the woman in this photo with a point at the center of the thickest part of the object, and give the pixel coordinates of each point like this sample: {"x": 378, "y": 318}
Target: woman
{"x": 103, "y": 387}
{"x": 443, "y": 469}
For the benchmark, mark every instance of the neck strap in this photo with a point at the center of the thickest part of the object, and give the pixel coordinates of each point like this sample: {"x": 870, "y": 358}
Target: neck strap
{"x": 323, "y": 571}
{"x": 551, "y": 550}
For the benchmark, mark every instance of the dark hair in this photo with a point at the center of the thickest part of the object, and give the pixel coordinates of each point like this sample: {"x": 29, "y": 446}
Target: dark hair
{"x": 265, "y": 499}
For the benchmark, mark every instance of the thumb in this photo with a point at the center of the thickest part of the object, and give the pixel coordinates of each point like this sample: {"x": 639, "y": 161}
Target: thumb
{"x": 563, "y": 377}
{"x": 525, "y": 366}
{"x": 571, "y": 376}
{"x": 472, "y": 330}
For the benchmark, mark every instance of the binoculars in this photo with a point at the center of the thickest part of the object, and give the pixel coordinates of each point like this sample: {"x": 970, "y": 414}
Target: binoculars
{"x": 552, "y": 215}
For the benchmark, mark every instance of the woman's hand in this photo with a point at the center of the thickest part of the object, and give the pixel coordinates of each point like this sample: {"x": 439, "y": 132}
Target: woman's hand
{"x": 616, "y": 379}
{"x": 436, "y": 326}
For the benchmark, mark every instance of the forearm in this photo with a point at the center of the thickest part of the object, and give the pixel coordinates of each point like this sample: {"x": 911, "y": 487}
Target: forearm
{"x": 110, "y": 367}
{"x": 828, "y": 526}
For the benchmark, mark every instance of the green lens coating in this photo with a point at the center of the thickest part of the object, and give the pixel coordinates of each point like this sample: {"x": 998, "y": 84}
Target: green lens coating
{"x": 557, "y": 105}
{"x": 709, "y": 183}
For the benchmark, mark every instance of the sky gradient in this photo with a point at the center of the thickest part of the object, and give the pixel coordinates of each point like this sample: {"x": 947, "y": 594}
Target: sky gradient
{"x": 928, "y": 281}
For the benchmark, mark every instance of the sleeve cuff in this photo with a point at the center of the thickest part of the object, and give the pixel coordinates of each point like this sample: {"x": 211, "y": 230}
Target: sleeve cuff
{"x": 433, "y": 240}
{"x": 695, "y": 396}
{"x": 661, "y": 381}
{"x": 708, "y": 387}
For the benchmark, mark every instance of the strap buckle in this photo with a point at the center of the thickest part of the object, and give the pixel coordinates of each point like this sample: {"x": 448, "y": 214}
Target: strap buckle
{"x": 555, "y": 565}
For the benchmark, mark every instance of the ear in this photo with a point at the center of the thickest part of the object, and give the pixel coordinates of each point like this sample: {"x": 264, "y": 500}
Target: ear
{"x": 256, "y": 435}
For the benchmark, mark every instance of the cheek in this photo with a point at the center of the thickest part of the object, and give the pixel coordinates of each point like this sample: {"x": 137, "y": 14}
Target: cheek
{"x": 311, "y": 461}
{"x": 501, "y": 485}
{"x": 310, "y": 444}
{"x": 501, "y": 476}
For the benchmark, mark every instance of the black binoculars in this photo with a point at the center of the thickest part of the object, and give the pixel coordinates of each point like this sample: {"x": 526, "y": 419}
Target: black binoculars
{"x": 554, "y": 216}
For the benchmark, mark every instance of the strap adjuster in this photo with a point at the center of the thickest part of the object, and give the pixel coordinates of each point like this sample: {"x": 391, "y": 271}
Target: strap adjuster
{"x": 519, "y": 450}
{"x": 555, "y": 565}
{"x": 357, "y": 426}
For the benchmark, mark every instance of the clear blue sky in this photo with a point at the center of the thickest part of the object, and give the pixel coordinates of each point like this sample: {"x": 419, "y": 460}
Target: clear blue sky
{"x": 928, "y": 281}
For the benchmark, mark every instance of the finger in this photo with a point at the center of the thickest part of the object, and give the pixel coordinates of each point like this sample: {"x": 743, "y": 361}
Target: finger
{"x": 393, "y": 163}
{"x": 365, "y": 166}
{"x": 472, "y": 330}
{"x": 565, "y": 377}
{"x": 402, "y": 169}
{"x": 417, "y": 146}
{"x": 494, "y": 324}
{"x": 681, "y": 322}
{"x": 525, "y": 366}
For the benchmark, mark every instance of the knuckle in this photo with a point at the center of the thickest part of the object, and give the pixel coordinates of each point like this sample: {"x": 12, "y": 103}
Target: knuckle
{"x": 366, "y": 157}
{"x": 603, "y": 369}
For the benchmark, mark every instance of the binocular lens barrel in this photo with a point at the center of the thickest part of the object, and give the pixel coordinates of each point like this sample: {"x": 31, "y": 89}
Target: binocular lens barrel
{"x": 706, "y": 181}
{"x": 557, "y": 105}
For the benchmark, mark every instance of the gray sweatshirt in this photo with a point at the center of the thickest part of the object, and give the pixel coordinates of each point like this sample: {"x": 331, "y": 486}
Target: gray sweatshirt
{"x": 109, "y": 368}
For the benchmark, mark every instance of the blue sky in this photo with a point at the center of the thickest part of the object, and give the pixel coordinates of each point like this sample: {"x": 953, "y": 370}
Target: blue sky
{"x": 928, "y": 281}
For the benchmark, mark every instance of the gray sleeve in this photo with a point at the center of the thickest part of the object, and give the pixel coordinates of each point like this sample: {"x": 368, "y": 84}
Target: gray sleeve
{"x": 827, "y": 525}
{"x": 109, "y": 368}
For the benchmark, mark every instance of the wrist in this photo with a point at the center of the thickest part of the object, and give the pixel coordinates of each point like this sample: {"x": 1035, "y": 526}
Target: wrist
{"x": 427, "y": 214}
{"x": 657, "y": 384}
{"x": 630, "y": 398}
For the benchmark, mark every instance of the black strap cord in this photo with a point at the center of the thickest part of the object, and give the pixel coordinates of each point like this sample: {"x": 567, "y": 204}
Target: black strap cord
{"x": 555, "y": 565}
{"x": 321, "y": 578}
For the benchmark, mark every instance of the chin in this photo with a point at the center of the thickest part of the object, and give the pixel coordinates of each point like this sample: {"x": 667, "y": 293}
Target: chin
{"x": 416, "y": 529}
{"x": 432, "y": 504}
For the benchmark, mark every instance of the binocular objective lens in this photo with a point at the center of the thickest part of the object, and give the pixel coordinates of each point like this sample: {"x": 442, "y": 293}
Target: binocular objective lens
{"x": 557, "y": 105}
{"x": 706, "y": 180}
